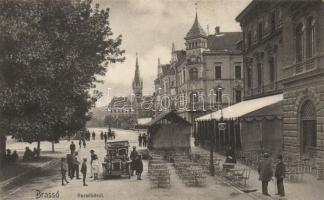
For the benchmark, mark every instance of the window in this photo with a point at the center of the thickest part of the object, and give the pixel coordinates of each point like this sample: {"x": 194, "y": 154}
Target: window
{"x": 271, "y": 70}
{"x": 260, "y": 31}
{"x": 193, "y": 97}
{"x": 259, "y": 71}
{"x": 300, "y": 43}
{"x": 273, "y": 21}
{"x": 308, "y": 123}
{"x": 218, "y": 72}
{"x": 249, "y": 76}
{"x": 193, "y": 74}
{"x": 238, "y": 96}
{"x": 184, "y": 75}
{"x": 219, "y": 94}
{"x": 310, "y": 37}
{"x": 238, "y": 72}
{"x": 249, "y": 39}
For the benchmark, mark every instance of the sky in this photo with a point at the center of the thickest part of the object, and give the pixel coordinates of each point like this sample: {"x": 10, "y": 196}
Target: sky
{"x": 149, "y": 27}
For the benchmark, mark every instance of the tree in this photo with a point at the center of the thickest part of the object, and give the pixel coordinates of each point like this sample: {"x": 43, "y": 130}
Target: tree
{"x": 51, "y": 54}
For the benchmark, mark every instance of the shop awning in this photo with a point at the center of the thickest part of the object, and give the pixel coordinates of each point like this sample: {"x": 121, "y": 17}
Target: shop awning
{"x": 243, "y": 108}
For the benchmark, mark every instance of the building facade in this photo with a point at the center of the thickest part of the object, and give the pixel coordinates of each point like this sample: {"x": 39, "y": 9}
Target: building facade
{"x": 204, "y": 76}
{"x": 283, "y": 46}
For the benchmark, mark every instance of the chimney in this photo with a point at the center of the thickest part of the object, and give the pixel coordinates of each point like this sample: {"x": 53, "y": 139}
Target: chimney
{"x": 217, "y": 30}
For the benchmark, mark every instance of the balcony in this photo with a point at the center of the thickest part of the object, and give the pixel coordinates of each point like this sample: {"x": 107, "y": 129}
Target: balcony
{"x": 264, "y": 90}
{"x": 302, "y": 67}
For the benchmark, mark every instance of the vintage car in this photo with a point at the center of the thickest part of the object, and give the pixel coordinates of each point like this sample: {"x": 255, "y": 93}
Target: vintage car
{"x": 116, "y": 162}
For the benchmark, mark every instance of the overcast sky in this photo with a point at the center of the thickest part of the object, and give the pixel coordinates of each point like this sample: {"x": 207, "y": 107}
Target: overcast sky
{"x": 149, "y": 27}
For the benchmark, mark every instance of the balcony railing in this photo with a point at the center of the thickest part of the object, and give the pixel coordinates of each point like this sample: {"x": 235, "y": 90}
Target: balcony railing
{"x": 264, "y": 90}
{"x": 301, "y": 67}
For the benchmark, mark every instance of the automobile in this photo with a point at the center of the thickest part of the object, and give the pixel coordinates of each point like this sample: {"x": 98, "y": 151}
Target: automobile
{"x": 116, "y": 161}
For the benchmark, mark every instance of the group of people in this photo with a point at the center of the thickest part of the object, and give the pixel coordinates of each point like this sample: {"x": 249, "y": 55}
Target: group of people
{"x": 29, "y": 154}
{"x": 142, "y": 140}
{"x": 71, "y": 164}
{"x": 11, "y": 158}
{"x": 136, "y": 164}
{"x": 266, "y": 174}
{"x": 107, "y": 136}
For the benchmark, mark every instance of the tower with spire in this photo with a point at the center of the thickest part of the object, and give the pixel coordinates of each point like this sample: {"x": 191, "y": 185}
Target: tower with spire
{"x": 196, "y": 38}
{"x": 137, "y": 88}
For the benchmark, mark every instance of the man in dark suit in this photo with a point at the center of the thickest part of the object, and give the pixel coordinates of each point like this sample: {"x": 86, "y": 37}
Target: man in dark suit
{"x": 280, "y": 175}
{"x": 265, "y": 172}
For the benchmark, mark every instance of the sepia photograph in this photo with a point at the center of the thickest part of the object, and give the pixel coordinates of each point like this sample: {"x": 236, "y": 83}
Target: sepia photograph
{"x": 162, "y": 99}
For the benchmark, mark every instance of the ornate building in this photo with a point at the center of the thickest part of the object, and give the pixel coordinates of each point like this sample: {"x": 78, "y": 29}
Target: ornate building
{"x": 283, "y": 52}
{"x": 202, "y": 77}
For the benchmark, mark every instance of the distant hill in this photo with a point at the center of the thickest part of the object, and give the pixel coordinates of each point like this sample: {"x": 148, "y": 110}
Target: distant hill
{"x": 98, "y": 116}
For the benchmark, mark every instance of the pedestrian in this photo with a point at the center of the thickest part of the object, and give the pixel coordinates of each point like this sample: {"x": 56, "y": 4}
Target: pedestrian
{"x": 14, "y": 156}
{"x": 133, "y": 156}
{"x": 140, "y": 140}
{"x": 88, "y": 135}
{"x": 101, "y": 135}
{"x": 72, "y": 147}
{"x": 63, "y": 171}
{"x": 265, "y": 172}
{"x": 84, "y": 143}
{"x": 84, "y": 171}
{"x": 93, "y": 135}
{"x": 93, "y": 157}
{"x": 28, "y": 154}
{"x": 139, "y": 166}
{"x": 95, "y": 167}
{"x": 144, "y": 138}
{"x": 280, "y": 175}
{"x": 105, "y": 137}
{"x": 8, "y": 156}
{"x": 70, "y": 166}
{"x": 80, "y": 143}
{"x": 75, "y": 165}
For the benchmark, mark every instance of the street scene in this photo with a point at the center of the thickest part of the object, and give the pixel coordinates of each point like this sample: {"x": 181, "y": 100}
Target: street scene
{"x": 161, "y": 99}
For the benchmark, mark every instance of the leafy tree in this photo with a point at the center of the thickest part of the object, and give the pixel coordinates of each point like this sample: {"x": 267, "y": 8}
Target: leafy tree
{"x": 51, "y": 53}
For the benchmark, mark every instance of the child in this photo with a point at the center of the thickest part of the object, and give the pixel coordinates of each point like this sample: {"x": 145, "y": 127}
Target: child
{"x": 63, "y": 170}
{"x": 139, "y": 167}
{"x": 84, "y": 170}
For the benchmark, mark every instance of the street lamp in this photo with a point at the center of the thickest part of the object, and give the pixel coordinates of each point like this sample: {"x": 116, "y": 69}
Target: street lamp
{"x": 212, "y": 142}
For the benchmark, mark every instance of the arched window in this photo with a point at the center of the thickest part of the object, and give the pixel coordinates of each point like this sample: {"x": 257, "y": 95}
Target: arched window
{"x": 300, "y": 43}
{"x": 310, "y": 42}
{"x": 308, "y": 126}
{"x": 193, "y": 74}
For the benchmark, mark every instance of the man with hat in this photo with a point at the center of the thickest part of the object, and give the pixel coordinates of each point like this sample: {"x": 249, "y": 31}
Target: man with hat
{"x": 133, "y": 156}
{"x": 265, "y": 172}
{"x": 280, "y": 175}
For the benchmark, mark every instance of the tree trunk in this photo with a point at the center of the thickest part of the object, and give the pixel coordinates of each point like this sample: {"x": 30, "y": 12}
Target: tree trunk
{"x": 2, "y": 149}
{"x": 38, "y": 148}
{"x": 53, "y": 146}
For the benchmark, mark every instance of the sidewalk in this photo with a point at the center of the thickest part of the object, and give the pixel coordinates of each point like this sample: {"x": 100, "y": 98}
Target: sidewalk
{"x": 309, "y": 189}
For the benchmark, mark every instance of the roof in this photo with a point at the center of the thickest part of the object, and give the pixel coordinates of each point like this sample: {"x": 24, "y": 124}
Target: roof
{"x": 196, "y": 30}
{"x": 224, "y": 41}
{"x": 119, "y": 102}
{"x": 243, "y": 108}
{"x": 171, "y": 116}
{"x": 142, "y": 121}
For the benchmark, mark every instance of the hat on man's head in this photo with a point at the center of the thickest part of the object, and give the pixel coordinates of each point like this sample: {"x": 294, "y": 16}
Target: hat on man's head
{"x": 91, "y": 151}
{"x": 134, "y": 147}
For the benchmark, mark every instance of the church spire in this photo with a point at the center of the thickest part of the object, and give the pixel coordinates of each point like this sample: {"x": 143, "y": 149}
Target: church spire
{"x": 137, "y": 82}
